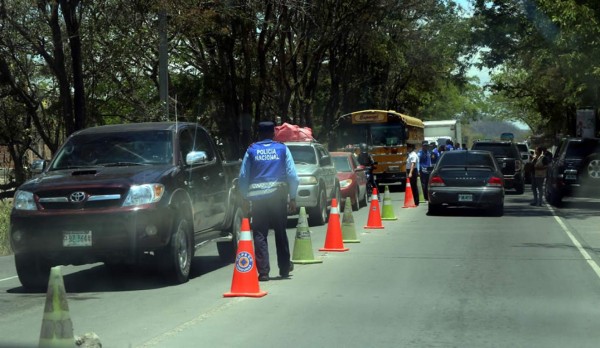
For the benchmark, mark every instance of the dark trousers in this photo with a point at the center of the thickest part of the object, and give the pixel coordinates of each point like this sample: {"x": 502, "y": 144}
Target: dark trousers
{"x": 271, "y": 213}
{"x": 424, "y": 182}
{"x": 537, "y": 185}
{"x": 414, "y": 186}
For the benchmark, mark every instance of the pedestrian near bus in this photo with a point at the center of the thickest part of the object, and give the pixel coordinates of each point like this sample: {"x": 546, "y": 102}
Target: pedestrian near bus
{"x": 412, "y": 171}
{"x": 425, "y": 167}
{"x": 540, "y": 165}
{"x": 267, "y": 178}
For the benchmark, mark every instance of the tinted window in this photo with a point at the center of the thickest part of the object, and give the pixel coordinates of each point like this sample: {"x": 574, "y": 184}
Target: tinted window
{"x": 522, "y": 147}
{"x": 147, "y": 147}
{"x": 466, "y": 158}
{"x": 341, "y": 164}
{"x": 577, "y": 149}
{"x": 499, "y": 150}
{"x": 303, "y": 154}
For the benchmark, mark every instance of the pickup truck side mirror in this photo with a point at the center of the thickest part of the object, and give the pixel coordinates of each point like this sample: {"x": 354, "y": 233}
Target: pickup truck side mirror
{"x": 38, "y": 166}
{"x": 325, "y": 161}
{"x": 196, "y": 157}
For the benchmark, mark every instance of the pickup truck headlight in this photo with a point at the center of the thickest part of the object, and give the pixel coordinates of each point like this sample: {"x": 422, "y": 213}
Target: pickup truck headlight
{"x": 308, "y": 180}
{"x": 345, "y": 183}
{"x": 24, "y": 201}
{"x": 144, "y": 194}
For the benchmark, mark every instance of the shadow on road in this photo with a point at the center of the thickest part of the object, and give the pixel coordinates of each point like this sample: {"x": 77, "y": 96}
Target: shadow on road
{"x": 100, "y": 278}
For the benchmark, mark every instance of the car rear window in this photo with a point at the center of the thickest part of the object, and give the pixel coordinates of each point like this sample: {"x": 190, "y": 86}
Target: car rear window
{"x": 466, "y": 158}
{"x": 341, "y": 164}
{"x": 581, "y": 149}
{"x": 522, "y": 147}
{"x": 499, "y": 150}
{"x": 303, "y": 154}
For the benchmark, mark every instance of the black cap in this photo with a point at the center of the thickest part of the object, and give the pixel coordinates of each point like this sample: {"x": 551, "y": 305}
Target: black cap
{"x": 266, "y": 127}
{"x": 425, "y": 143}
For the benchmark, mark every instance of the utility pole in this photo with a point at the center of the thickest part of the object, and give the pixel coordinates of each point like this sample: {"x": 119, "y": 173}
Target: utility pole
{"x": 163, "y": 61}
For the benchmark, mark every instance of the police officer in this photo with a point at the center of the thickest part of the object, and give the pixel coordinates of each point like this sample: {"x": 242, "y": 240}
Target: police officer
{"x": 435, "y": 153}
{"x": 425, "y": 166}
{"x": 267, "y": 177}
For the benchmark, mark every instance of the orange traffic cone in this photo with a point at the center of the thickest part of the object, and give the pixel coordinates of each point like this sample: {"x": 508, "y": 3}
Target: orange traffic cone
{"x": 333, "y": 240}
{"x": 245, "y": 275}
{"x": 374, "y": 220}
{"x": 409, "y": 201}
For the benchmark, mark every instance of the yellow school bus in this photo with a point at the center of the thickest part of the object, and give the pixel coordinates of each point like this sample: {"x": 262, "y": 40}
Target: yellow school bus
{"x": 386, "y": 133}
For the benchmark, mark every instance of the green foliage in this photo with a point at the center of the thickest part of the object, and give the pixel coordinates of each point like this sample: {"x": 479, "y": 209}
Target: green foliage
{"x": 548, "y": 54}
{"x": 4, "y": 225}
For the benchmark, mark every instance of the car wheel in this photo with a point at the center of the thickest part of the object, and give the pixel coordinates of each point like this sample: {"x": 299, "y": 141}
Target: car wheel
{"x": 356, "y": 203}
{"x": 591, "y": 169}
{"x": 227, "y": 250}
{"x": 176, "y": 258}
{"x": 434, "y": 209}
{"x": 553, "y": 197}
{"x": 365, "y": 199}
{"x": 33, "y": 271}
{"x": 337, "y": 194}
{"x": 317, "y": 216}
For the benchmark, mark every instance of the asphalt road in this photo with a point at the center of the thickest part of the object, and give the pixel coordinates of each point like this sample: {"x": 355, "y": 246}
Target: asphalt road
{"x": 527, "y": 279}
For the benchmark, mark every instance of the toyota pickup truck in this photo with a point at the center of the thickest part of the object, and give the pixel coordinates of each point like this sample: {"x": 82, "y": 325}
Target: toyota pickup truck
{"x": 119, "y": 194}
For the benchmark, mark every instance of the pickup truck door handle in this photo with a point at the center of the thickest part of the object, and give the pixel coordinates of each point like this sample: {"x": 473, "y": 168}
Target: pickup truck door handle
{"x": 206, "y": 178}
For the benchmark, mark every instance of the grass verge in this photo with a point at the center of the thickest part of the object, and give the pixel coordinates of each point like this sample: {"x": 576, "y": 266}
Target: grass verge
{"x": 4, "y": 222}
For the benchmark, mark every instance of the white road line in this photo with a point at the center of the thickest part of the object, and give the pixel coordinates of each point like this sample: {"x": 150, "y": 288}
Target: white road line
{"x": 9, "y": 278}
{"x": 581, "y": 249}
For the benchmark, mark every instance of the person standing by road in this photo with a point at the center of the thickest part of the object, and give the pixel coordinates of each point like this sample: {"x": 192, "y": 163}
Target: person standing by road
{"x": 412, "y": 171}
{"x": 267, "y": 177}
{"x": 365, "y": 159}
{"x": 435, "y": 153}
{"x": 540, "y": 165}
{"x": 425, "y": 166}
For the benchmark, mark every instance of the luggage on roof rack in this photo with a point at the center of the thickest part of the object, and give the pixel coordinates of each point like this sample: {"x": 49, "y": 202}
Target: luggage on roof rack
{"x": 292, "y": 132}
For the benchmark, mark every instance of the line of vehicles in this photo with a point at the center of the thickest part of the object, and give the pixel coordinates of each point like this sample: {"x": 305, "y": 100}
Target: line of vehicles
{"x": 120, "y": 194}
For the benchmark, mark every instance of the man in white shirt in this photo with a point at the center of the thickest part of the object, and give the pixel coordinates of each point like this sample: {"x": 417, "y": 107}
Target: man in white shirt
{"x": 412, "y": 171}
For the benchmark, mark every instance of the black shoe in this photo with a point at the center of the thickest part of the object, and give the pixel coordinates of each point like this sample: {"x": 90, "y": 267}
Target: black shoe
{"x": 286, "y": 274}
{"x": 263, "y": 278}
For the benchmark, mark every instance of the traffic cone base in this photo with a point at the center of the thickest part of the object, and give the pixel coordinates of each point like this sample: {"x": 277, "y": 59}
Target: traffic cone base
{"x": 333, "y": 239}
{"x": 57, "y": 327}
{"x": 374, "y": 221}
{"x": 245, "y": 275}
{"x": 421, "y": 193}
{"x": 409, "y": 201}
{"x": 387, "y": 212}
{"x": 303, "y": 250}
{"x": 348, "y": 228}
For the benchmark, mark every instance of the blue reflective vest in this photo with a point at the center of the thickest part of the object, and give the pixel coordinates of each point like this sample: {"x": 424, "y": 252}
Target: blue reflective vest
{"x": 267, "y": 167}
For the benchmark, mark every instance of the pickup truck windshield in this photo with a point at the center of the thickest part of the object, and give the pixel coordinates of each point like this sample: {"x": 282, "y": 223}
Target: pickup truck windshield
{"x": 109, "y": 149}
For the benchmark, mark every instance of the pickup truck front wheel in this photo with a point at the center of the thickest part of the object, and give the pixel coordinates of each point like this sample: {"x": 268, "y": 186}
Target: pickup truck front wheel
{"x": 33, "y": 271}
{"x": 227, "y": 250}
{"x": 317, "y": 216}
{"x": 176, "y": 258}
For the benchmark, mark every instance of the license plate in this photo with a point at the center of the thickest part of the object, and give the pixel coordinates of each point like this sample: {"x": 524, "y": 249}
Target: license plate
{"x": 463, "y": 197}
{"x": 77, "y": 239}
{"x": 571, "y": 177}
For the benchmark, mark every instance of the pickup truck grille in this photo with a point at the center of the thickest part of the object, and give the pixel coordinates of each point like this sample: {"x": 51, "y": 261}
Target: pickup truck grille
{"x": 97, "y": 198}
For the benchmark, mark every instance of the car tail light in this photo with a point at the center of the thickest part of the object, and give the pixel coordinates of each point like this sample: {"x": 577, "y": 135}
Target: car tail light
{"x": 436, "y": 181}
{"x": 495, "y": 181}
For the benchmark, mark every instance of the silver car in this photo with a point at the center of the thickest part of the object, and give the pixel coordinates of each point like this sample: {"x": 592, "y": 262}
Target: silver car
{"x": 318, "y": 180}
